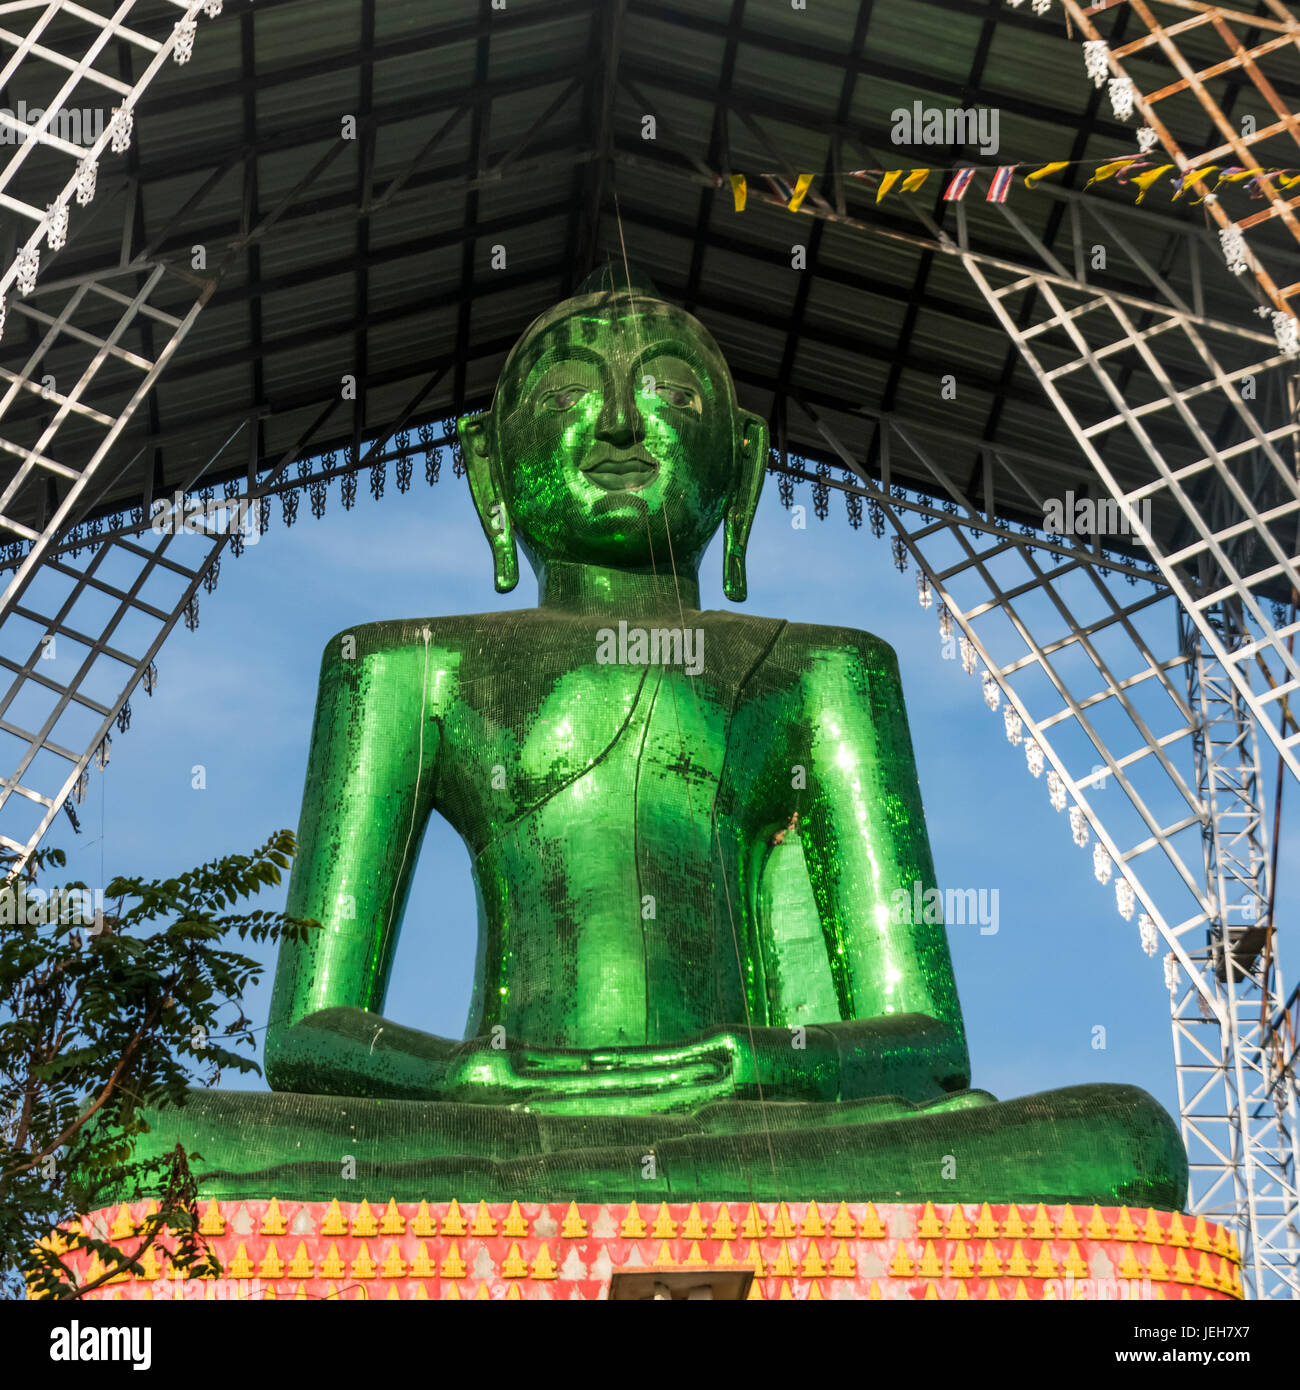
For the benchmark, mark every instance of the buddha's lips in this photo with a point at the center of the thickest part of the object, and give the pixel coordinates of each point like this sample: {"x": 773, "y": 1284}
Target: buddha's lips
{"x": 615, "y": 473}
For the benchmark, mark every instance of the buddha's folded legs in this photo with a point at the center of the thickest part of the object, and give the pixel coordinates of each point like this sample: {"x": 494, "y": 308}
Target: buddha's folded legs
{"x": 1105, "y": 1144}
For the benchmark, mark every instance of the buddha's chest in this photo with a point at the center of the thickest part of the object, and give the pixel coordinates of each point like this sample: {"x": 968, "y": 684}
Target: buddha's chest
{"x": 601, "y": 730}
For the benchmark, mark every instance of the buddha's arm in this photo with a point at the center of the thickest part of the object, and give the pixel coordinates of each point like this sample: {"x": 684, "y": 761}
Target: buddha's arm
{"x": 365, "y": 805}
{"x": 865, "y": 845}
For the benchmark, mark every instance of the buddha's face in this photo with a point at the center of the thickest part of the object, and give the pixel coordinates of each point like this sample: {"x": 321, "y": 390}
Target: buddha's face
{"x": 617, "y": 435}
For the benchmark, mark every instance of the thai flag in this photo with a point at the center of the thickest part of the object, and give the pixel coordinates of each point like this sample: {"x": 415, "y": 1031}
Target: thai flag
{"x": 956, "y": 190}
{"x": 1001, "y": 184}
{"x": 779, "y": 187}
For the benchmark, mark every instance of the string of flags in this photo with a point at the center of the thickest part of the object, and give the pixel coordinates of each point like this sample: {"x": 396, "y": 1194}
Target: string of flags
{"x": 1203, "y": 183}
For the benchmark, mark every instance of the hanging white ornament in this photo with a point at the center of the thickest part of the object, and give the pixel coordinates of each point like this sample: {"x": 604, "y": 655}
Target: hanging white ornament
{"x": 1078, "y": 826}
{"x": 1055, "y": 789}
{"x": 1102, "y": 864}
{"x": 1147, "y": 934}
{"x": 212, "y": 8}
{"x": 56, "y": 234}
{"x": 1015, "y": 4}
{"x": 1121, "y": 97}
{"x": 900, "y": 554}
{"x": 1124, "y": 898}
{"x": 1096, "y": 59}
{"x": 183, "y": 49}
{"x": 924, "y": 594}
{"x": 120, "y": 128}
{"x": 945, "y": 623}
{"x": 1234, "y": 248}
{"x": 150, "y": 679}
{"x": 1042, "y": 6}
{"x": 1013, "y": 724}
{"x": 2, "y": 315}
{"x": 1034, "y": 757}
{"x": 104, "y": 752}
{"x": 1146, "y": 138}
{"x": 27, "y": 263}
{"x": 83, "y": 785}
{"x": 1171, "y": 973}
{"x": 87, "y": 172}
{"x": 967, "y": 648}
{"x": 1285, "y": 330}
{"x": 992, "y": 696}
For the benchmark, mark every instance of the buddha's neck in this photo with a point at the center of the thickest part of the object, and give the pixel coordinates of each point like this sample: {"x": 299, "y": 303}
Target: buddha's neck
{"x": 594, "y": 589}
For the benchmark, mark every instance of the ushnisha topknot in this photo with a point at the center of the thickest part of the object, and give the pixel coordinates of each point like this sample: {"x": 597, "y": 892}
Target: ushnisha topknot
{"x": 608, "y": 288}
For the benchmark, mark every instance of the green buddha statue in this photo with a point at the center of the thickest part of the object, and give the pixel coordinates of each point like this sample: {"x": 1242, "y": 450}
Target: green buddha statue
{"x": 691, "y": 831}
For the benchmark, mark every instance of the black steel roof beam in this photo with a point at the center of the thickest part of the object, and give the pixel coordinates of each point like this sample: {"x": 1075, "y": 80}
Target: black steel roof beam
{"x": 189, "y": 369}
{"x": 134, "y": 214}
{"x": 795, "y": 324}
{"x": 905, "y": 232}
{"x": 410, "y": 43}
{"x": 195, "y": 159}
{"x": 251, "y": 214}
{"x": 606, "y": 49}
{"x": 882, "y": 289}
{"x": 784, "y": 45}
{"x": 480, "y": 125}
{"x": 366, "y": 135}
{"x": 719, "y": 152}
{"x": 1011, "y": 361}
{"x": 447, "y": 179}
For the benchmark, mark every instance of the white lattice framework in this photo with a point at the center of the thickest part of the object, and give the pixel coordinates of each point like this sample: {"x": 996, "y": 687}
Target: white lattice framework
{"x": 1092, "y": 687}
{"x": 37, "y": 712}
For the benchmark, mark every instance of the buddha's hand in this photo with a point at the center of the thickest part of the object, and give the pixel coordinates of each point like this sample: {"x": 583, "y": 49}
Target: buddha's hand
{"x": 726, "y": 1063}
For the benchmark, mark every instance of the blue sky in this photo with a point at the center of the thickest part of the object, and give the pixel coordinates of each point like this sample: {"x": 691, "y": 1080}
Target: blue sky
{"x": 237, "y": 696}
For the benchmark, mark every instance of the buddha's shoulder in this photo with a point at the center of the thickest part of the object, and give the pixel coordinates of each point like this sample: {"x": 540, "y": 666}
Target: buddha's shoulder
{"x": 810, "y": 641}
{"x": 390, "y": 636}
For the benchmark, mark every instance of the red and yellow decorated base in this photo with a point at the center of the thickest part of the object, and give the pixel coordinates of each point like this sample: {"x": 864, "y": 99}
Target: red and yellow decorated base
{"x": 795, "y": 1250}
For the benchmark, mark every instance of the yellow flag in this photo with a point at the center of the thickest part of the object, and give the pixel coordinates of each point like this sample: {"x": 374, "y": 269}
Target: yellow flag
{"x": 738, "y": 190}
{"x": 914, "y": 180}
{"x": 1106, "y": 171}
{"x": 890, "y": 179}
{"x": 1192, "y": 179}
{"x": 1032, "y": 179}
{"x": 1237, "y": 175}
{"x": 1285, "y": 180}
{"x": 800, "y": 191}
{"x": 1144, "y": 181}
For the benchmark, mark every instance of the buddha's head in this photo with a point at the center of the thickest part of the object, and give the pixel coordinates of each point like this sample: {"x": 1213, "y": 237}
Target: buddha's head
{"x": 614, "y": 439}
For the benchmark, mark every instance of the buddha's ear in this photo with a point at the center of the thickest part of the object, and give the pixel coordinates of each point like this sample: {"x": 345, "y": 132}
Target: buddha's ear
{"x": 751, "y": 453}
{"x": 489, "y": 498}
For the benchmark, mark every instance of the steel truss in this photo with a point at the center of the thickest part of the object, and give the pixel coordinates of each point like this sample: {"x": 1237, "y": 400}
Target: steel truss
{"x": 1096, "y": 701}
{"x": 73, "y": 79}
{"x": 1254, "y": 44}
{"x": 1233, "y": 485}
{"x": 1236, "y": 1083}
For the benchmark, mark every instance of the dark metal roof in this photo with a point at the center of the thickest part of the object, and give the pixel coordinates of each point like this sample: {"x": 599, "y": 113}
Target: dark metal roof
{"x": 523, "y": 128}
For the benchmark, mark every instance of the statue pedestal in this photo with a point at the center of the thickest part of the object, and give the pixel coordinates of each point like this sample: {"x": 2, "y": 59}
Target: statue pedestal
{"x": 766, "y": 1250}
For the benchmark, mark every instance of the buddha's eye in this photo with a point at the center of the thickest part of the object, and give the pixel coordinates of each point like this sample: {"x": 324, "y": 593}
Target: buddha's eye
{"x": 680, "y": 396}
{"x": 565, "y": 399}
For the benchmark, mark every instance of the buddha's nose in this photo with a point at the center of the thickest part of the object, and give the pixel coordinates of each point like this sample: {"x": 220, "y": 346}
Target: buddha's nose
{"x": 619, "y": 422}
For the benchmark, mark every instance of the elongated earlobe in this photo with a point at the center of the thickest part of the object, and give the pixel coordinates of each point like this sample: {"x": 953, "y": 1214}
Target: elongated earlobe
{"x": 489, "y": 500}
{"x": 751, "y": 461}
